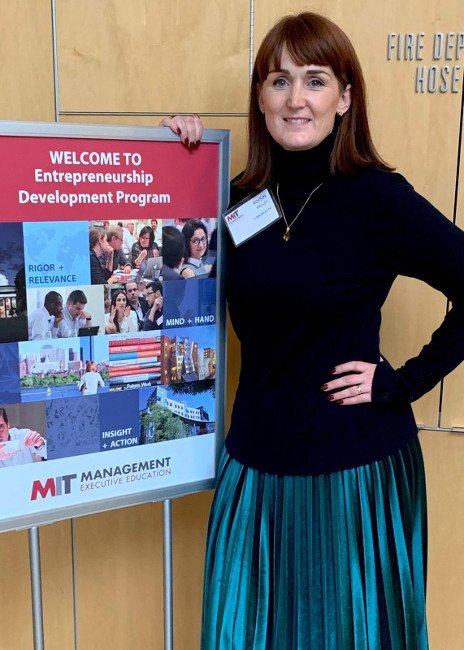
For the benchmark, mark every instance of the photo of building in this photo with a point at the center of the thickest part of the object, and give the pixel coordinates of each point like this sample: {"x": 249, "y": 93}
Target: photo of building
{"x": 188, "y": 358}
{"x": 170, "y": 416}
{"x": 53, "y": 368}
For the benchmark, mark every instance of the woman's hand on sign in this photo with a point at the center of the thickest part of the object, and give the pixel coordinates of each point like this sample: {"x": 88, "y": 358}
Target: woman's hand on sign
{"x": 188, "y": 127}
{"x": 355, "y": 387}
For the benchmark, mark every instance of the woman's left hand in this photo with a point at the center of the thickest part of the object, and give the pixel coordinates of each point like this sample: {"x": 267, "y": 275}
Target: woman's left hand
{"x": 354, "y": 387}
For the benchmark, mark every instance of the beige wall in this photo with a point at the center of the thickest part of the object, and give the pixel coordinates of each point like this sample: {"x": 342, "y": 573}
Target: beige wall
{"x": 132, "y": 62}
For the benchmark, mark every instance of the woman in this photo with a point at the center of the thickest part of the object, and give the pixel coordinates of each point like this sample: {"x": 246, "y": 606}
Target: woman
{"x": 91, "y": 380}
{"x": 317, "y": 536}
{"x": 145, "y": 247}
{"x": 196, "y": 248}
{"x": 101, "y": 258}
{"x": 120, "y": 318}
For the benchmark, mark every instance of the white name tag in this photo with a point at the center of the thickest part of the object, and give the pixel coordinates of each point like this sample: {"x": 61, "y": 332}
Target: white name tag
{"x": 252, "y": 215}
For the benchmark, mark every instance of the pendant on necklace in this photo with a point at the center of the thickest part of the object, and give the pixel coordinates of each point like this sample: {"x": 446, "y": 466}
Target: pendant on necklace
{"x": 286, "y": 236}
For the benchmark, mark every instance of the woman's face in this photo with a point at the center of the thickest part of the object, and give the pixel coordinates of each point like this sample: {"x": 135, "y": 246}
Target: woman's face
{"x": 144, "y": 240}
{"x": 198, "y": 242}
{"x": 121, "y": 301}
{"x": 299, "y": 103}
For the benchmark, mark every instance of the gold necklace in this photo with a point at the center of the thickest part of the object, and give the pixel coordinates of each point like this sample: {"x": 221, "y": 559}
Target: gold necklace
{"x": 286, "y": 235}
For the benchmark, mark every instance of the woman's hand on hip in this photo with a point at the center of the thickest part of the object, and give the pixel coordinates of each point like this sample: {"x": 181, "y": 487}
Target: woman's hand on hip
{"x": 188, "y": 127}
{"x": 355, "y": 387}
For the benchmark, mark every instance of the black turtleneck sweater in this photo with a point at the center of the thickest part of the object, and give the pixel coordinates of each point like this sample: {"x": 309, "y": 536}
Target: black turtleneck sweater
{"x": 304, "y": 306}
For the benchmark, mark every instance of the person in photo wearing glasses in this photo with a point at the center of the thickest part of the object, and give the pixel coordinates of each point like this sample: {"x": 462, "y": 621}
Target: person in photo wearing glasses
{"x": 145, "y": 247}
{"x": 154, "y": 316}
{"x": 196, "y": 249}
{"x": 19, "y": 446}
{"x": 114, "y": 237}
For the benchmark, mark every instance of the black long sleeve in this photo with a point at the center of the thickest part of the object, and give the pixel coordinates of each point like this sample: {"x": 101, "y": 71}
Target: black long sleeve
{"x": 304, "y": 306}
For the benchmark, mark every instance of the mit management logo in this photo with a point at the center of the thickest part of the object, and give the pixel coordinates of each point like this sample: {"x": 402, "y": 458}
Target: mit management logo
{"x": 53, "y": 486}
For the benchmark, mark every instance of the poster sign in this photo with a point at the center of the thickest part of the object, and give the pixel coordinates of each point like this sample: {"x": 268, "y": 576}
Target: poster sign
{"x": 111, "y": 317}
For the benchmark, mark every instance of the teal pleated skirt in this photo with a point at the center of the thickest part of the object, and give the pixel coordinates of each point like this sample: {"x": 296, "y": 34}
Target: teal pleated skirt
{"x": 328, "y": 562}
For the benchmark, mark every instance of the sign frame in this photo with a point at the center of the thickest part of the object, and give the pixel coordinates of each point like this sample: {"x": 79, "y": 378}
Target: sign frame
{"x": 221, "y": 138}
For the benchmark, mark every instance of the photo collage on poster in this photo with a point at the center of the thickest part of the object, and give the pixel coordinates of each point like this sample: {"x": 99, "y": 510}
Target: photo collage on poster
{"x": 107, "y": 335}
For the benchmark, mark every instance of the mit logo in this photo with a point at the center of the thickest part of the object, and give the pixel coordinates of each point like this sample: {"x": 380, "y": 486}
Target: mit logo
{"x": 53, "y": 486}
{"x": 232, "y": 216}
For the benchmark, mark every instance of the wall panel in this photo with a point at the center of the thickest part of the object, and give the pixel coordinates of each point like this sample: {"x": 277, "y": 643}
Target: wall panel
{"x": 26, "y": 73}
{"x": 453, "y": 403}
{"x": 147, "y": 56}
{"x": 190, "y": 520}
{"x": 445, "y": 492}
{"x": 57, "y": 585}
{"x": 15, "y": 598}
{"x": 119, "y": 578}
{"x": 15, "y": 594}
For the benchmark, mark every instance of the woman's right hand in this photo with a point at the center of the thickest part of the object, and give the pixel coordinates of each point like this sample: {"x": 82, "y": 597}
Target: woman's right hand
{"x": 188, "y": 127}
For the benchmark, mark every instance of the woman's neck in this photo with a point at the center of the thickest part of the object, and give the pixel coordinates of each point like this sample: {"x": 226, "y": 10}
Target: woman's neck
{"x": 297, "y": 169}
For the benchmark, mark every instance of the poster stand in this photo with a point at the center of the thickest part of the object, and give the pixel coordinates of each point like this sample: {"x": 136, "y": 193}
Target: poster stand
{"x": 36, "y": 583}
{"x": 36, "y": 588}
{"x": 75, "y": 483}
{"x": 167, "y": 575}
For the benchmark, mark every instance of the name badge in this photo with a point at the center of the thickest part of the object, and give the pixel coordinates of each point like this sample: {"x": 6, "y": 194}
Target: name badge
{"x": 252, "y": 215}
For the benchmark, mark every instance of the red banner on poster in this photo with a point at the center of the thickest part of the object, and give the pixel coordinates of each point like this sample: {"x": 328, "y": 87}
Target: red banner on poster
{"x": 63, "y": 179}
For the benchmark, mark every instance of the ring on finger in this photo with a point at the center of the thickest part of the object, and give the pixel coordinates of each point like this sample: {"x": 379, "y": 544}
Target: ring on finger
{"x": 359, "y": 390}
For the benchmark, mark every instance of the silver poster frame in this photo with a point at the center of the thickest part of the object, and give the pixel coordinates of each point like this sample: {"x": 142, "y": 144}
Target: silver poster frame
{"x": 157, "y": 134}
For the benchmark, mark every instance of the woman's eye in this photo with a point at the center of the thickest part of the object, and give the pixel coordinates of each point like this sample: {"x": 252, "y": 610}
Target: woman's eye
{"x": 315, "y": 82}
{"x": 279, "y": 83}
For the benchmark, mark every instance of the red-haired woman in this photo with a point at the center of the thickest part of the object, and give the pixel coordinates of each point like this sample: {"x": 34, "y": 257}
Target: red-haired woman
{"x": 317, "y": 536}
